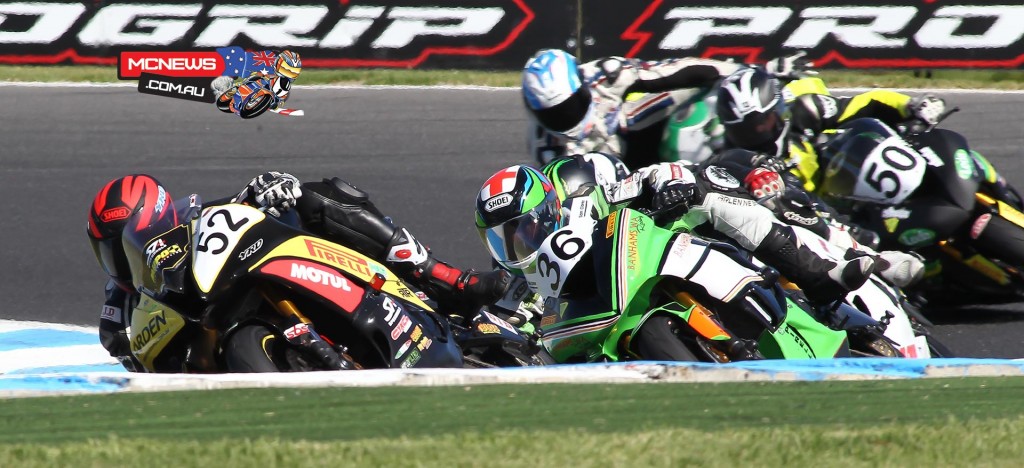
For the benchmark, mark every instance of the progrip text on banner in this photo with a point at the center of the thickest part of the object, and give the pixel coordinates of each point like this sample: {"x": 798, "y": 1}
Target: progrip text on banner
{"x": 501, "y": 34}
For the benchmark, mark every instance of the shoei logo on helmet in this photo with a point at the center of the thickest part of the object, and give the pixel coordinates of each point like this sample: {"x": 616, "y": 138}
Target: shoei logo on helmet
{"x": 499, "y": 201}
{"x": 115, "y": 214}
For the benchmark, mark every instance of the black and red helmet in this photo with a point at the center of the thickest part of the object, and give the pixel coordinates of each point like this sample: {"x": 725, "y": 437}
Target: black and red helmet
{"x": 130, "y": 202}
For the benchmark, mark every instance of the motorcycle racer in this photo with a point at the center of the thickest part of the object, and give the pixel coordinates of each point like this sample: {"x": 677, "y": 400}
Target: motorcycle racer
{"x": 518, "y": 204}
{"x": 785, "y": 124}
{"x": 578, "y": 108}
{"x": 759, "y": 114}
{"x": 331, "y": 208}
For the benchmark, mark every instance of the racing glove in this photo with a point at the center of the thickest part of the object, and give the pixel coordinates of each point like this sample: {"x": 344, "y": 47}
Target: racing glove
{"x": 302, "y": 336}
{"x": 769, "y": 162}
{"x": 275, "y": 191}
{"x": 792, "y": 67}
{"x": 927, "y": 108}
{"x": 672, "y": 185}
{"x": 764, "y": 184}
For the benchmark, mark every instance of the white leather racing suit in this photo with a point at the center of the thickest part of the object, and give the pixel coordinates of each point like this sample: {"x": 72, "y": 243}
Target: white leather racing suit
{"x": 616, "y": 110}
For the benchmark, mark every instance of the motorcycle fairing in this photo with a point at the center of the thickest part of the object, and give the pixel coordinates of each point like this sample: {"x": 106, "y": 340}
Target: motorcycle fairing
{"x": 218, "y": 232}
{"x": 869, "y": 161}
{"x": 348, "y": 261}
{"x": 154, "y": 326}
{"x": 959, "y": 177}
{"x": 317, "y": 279}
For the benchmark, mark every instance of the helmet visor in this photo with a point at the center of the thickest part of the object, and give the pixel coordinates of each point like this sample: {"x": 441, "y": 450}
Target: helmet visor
{"x": 567, "y": 114}
{"x": 759, "y": 131}
{"x": 514, "y": 242}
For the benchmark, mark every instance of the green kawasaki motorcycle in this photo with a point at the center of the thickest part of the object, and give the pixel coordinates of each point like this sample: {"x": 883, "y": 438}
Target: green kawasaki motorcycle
{"x": 623, "y": 288}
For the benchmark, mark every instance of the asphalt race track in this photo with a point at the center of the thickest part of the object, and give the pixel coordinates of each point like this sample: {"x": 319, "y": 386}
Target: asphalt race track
{"x": 421, "y": 153}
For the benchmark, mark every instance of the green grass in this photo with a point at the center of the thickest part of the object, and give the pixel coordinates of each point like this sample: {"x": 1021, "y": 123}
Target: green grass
{"x": 992, "y": 79}
{"x": 949, "y": 422}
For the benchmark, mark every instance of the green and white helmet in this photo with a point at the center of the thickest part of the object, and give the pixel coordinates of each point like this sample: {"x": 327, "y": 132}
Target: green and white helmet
{"x": 516, "y": 209}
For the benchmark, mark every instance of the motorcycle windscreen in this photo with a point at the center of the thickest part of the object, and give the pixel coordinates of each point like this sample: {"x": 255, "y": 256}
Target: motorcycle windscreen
{"x": 870, "y": 162}
{"x": 157, "y": 256}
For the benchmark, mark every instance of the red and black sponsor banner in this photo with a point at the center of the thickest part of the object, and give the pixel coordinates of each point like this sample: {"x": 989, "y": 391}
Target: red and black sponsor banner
{"x": 836, "y": 34}
{"x": 502, "y": 34}
{"x": 476, "y": 34}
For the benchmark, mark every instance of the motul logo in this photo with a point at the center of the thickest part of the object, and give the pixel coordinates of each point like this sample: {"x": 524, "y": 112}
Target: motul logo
{"x": 316, "y": 275}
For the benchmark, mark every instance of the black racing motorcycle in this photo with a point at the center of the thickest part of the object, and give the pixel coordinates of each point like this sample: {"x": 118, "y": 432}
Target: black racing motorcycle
{"x": 925, "y": 190}
{"x": 225, "y": 287}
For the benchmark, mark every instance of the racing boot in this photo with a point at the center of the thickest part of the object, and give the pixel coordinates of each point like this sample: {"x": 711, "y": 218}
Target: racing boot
{"x": 821, "y": 279}
{"x": 902, "y": 269}
{"x": 343, "y": 213}
{"x": 456, "y": 290}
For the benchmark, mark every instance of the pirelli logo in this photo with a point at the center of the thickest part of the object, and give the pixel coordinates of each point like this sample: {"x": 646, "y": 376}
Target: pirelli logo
{"x": 338, "y": 257}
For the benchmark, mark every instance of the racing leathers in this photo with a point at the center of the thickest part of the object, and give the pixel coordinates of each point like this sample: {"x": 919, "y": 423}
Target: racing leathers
{"x": 628, "y": 95}
{"x": 713, "y": 197}
{"x": 340, "y": 212}
{"x": 813, "y": 113}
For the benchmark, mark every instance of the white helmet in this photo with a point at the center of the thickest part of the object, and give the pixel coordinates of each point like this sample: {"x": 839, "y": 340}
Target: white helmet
{"x": 608, "y": 169}
{"x": 555, "y": 95}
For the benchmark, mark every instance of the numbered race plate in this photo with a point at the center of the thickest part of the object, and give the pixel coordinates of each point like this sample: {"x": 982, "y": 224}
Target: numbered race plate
{"x": 217, "y": 234}
{"x": 890, "y": 173}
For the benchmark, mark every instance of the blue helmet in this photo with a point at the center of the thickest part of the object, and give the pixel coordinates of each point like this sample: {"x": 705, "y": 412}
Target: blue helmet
{"x": 554, "y": 93}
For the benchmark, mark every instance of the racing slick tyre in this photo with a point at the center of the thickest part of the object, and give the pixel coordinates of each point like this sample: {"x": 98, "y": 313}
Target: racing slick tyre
{"x": 659, "y": 339}
{"x": 251, "y": 348}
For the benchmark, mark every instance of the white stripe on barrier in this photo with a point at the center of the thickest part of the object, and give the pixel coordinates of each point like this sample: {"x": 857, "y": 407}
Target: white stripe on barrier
{"x": 31, "y": 358}
{"x": 15, "y": 325}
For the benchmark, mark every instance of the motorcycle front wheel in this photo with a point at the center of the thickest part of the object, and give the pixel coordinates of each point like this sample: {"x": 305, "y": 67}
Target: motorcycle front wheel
{"x": 659, "y": 339}
{"x": 250, "y": 348}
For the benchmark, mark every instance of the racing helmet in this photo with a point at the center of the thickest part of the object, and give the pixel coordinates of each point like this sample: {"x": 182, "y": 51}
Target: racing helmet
{"x": 610, "y": 168}
{"x": 569, "y": 175}
{"x": 288, "y": 64}
{"x": 516, "y": 209}
{"x": 555, "y": 94}
{"x": 752, "y": 110}
{"x": 130, "y": 202}
{"x": 252, "y": 99}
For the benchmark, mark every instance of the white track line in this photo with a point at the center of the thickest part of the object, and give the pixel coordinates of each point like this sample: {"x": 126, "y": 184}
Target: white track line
{"x": 15, "y": 325}
{"x": 31, "y": 358}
